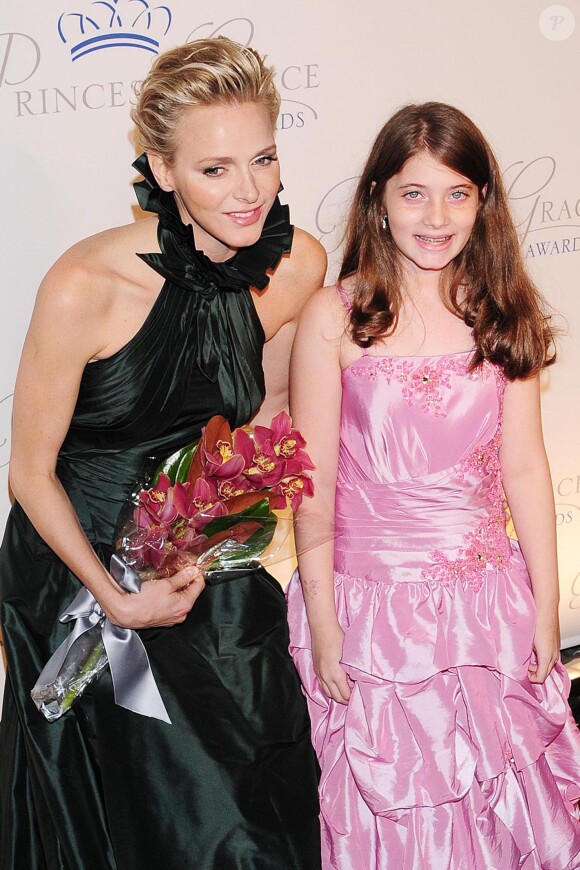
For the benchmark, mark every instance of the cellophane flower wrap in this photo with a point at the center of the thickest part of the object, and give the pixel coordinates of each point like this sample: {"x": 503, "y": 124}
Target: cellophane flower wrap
{"x": 217, "y": 504}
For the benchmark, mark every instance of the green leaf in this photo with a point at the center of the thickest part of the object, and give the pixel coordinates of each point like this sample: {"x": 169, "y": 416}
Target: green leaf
{"x": 258, "y": 511}
{"x": 261, "y": 539}
{"x": 176, "y": 466}
{"x": 242, "y": 554}
{"x": 247, "y": 552}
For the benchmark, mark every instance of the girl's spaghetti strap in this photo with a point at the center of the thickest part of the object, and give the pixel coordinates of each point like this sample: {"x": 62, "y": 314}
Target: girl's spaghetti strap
{"x": 347, "y": 302}
{"x": 344, "y": 296}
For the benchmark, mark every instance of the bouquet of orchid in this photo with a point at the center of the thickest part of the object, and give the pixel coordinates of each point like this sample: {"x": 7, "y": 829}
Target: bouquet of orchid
{"x": 215, "y": 503}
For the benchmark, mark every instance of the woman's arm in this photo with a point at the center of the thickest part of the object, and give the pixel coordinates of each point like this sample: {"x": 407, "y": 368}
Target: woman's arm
{"x": 69, "y": 327}
{"x": 528, "y": 489}
{"x": 315, "y": 397}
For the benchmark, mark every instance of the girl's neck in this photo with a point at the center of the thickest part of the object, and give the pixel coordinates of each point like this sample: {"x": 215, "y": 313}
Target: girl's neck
{"x": 421, "y": 283}
{"x": 422, "y": 289}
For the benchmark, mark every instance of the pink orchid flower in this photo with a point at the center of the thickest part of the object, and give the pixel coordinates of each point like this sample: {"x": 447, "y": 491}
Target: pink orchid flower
{"x": 263, "y": 467}
{"x": 157, "y": 503}
{"x": 231, "y": 488}
{"x": 198, "y": 499}
{"x": 185, "y": 536}
{"x": 222, "y": 462}
{"x": 286, "y": 441}
{"x": 292, "y": 490}
{"x": 156, "y": 546}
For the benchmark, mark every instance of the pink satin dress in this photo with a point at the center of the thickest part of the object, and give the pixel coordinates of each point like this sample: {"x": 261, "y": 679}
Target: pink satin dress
{"x": 446, "y": 756}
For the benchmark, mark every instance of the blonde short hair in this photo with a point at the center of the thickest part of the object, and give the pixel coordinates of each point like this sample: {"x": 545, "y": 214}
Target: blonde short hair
{"x": 200, "y": 73}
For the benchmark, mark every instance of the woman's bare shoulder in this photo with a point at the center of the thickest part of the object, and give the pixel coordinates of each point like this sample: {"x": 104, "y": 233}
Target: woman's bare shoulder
{"x": 108, "y": 249}
{"x": 88, "y": 272}
{"x": 306, "y": 263}
{"x": 98, "y": 291}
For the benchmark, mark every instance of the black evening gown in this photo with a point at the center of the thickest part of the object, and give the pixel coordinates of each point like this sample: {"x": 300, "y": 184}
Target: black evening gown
{"x": 231, "y": 783}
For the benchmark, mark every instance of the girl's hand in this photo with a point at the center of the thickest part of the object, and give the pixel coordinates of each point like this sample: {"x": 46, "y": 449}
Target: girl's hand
{"x": 160, "y": 603}
{"x": 327, "y": 653}
{"x": 546, "y": 648}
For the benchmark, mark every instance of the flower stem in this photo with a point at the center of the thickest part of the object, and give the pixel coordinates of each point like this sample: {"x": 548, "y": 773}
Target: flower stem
{"x": 74, "y": 691}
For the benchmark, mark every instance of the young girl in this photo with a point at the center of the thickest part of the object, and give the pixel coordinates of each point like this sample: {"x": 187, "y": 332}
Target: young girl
{"x": 427, "y": 640}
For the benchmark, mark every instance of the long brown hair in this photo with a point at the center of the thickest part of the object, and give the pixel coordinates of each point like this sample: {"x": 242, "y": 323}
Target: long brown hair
{"x": 499, "y": 301}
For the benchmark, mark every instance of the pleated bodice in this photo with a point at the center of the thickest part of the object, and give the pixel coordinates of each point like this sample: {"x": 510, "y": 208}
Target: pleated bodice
{"x": 151, "y": 398}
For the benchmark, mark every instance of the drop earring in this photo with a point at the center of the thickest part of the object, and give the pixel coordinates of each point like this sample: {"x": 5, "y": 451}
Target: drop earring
{"x": 385, "y": 222}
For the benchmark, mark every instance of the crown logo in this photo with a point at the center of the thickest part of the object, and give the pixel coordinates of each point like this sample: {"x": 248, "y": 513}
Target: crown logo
{"x": 114, "y": 24}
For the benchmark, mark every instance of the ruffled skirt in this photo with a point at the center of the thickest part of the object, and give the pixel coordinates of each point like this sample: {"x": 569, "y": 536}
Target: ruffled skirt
{"x": 446, "y": 756}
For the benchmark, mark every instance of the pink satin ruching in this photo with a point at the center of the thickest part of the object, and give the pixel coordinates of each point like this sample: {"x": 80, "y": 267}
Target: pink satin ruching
{"x": 446, "y": 757}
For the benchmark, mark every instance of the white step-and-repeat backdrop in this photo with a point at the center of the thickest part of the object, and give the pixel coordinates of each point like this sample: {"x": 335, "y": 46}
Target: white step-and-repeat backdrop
{"x": 69, "y": 71}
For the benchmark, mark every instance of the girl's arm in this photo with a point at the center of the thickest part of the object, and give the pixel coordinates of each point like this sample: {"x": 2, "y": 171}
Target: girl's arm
{"x": 69, "y": 327}
{"x": 315, "y": 399}
{"x": 295, "y": 280}
{"x": 528, "y": 489}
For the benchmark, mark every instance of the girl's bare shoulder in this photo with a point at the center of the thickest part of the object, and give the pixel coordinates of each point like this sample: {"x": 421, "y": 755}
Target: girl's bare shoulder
{"x": 326, "y": 310}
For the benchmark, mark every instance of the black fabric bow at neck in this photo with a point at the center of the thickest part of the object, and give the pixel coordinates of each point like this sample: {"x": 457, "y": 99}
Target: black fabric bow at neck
{"x": 182, "y": 263}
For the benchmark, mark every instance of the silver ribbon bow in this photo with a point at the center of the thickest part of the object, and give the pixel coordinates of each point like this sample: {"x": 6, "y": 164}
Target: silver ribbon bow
{"x": 133, "y": 681}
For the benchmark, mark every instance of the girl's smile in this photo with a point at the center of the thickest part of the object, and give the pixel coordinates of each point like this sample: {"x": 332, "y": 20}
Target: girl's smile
{"x": 431, "y": 210}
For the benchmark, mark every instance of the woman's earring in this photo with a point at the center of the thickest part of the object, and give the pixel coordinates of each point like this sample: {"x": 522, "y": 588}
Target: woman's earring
{"x": 385, "y": 222}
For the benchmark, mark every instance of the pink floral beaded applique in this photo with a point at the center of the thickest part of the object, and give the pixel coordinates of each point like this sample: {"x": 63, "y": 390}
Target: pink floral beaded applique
{"x": 423, "y": 386}
{"x": 487, "y": 546}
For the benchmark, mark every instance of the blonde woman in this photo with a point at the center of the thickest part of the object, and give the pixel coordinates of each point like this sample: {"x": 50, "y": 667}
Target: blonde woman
{"x": 139, "y": 335}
